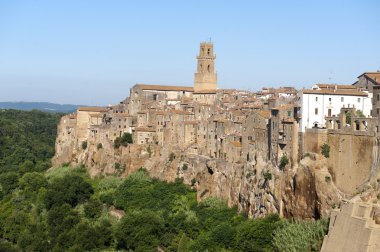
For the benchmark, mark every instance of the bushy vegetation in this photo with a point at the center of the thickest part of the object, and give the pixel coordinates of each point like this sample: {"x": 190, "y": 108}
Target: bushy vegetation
{"x": 62, "y": 209}
{"x": 284, "y": 161}
{"x": 124, "y": 140}
{"x": 325, "y": 150}
{"x": 26, "y": 140}
{"x": 300, "y": 236}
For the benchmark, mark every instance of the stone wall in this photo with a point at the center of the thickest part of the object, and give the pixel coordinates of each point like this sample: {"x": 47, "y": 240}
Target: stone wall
{"x": 350, "y": 160}
{"x": 313, "y": 139}
{"x": 355, "y": 228}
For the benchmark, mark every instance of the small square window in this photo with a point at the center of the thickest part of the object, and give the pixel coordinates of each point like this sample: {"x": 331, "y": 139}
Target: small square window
{"x": 342, "y": 99}
{"x": 330, "y": 99}
{"x": 316, "y": 98}
{"x": 316, "y": 111}
{"x": 358, "y": 99}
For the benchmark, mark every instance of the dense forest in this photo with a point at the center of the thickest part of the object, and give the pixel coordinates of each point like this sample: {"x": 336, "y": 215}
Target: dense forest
{"x": 62, "y": 209}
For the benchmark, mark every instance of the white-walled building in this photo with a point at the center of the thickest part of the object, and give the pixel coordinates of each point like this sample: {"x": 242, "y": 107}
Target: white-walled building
{"x": 327, "y": 100}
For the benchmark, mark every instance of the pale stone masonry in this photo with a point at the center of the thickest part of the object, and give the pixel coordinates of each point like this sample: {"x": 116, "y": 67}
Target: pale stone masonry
{"x": 355, "y": 228}
{"x": 205, "y": 78}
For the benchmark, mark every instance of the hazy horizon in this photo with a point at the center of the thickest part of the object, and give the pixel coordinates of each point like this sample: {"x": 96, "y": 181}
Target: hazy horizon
{"x": 92, "y": 52}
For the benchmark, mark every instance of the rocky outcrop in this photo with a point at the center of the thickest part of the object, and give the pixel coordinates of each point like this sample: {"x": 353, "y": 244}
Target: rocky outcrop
{"x": 256, "y": 187}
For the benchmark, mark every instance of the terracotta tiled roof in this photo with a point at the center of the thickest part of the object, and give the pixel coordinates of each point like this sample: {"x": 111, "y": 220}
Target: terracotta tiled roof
{"x": 263, "y": 113}
{"x": 287, "y": 106}
{"x": 181, "y": 112}
{"x": 333, "y": 86}
{"x": 160, "y": 113}
{"x": 288, "y": 120}
{"x": 334, "y": 92}
{"x": 236, "y": 144}
{"x": 93, "y": 109}
{"x": 164, "y": 88}
{"x": 227, "y": 91}
{"x": 96, "y": 115}
{"x": 210, "y": 91}
{"x": 375, "y": 76}
{"x": 191, "y": 122}
{"x": 145, "y": 129}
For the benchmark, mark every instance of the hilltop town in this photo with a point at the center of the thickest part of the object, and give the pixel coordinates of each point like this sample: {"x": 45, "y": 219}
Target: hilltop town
{"x": 294, "y": 152}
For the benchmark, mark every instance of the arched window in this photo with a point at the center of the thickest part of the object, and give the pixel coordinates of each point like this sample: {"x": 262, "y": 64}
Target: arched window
{"x": 208, "y": 68}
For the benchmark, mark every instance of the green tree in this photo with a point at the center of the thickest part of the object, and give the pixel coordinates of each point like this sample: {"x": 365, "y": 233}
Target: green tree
{"x": 93, "y": 209}
{"x": 140, "y": 231}
{"x": 300, "y": 235}
{"x": 256, "y": 234}
{"x": 8, "y": 182}
{"x": 71, "y": 189}
{"x": 32, "y": 182}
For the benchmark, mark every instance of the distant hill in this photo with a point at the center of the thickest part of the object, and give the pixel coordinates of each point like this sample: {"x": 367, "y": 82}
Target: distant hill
{"x": 43, "y": 106}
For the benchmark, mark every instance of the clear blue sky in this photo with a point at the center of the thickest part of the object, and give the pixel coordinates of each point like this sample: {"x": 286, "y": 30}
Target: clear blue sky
{"x": 92, "y": 52}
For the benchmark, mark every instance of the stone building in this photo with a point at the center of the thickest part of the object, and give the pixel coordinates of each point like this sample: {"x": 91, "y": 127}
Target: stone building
{"x": 205, "y": 78}
{"x": 283, "y": 131}
{"x": 86, "y": 117}
{"x": 327, "y": 100}
{"x": 368, "y": 80}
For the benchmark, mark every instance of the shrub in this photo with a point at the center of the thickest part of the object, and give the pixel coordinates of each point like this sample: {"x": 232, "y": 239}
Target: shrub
{"x": 348, "y": 118}
{"x": 184, "y": 167}
{"x": 124, "y": 140}
{"x": 84, "y": 145}
{"x": 171, "y": 157}
{"x": 149, "y": 150}
{"x": 284, "y": 161}
{"x": 300, "y": 235}
{"x": 117, "y": 166}
{"x": 328, "y": 179}
{"x": 99, "y": 146}
{"x": 267, "y": 175}
{"x": 193, "y": 181}
{"x": 325, "y": 150}
{"x": 93, "y": 209}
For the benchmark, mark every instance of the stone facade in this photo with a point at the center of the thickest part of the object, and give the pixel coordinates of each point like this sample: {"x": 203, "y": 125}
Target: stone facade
{"x": 205, "y": 78}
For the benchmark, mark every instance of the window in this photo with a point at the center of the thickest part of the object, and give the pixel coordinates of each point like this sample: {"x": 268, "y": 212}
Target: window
{"x": 358, "y": 99}
{"x": 330, "y": 99}
{"x": 208, "y": 51}
{"x": 378, "y": 97}
{"x": 329, "y": 112}
{"x": 289, "y": 113}
{"x": 316, "y": 111}
{"x": 316, "y": 98}
{"x": 378, "y": 111}
{"x": 342, "y": 99}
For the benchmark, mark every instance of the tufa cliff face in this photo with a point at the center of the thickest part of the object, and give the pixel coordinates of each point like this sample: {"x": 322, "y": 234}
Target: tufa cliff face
{"x": 256, "y": 187}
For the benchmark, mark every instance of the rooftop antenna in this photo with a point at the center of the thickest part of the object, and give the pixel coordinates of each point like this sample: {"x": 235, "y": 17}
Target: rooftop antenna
{"x": 330, "y": 77}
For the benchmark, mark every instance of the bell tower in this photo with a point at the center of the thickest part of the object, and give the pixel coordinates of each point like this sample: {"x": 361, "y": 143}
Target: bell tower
{"x": 205, "y": 78}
